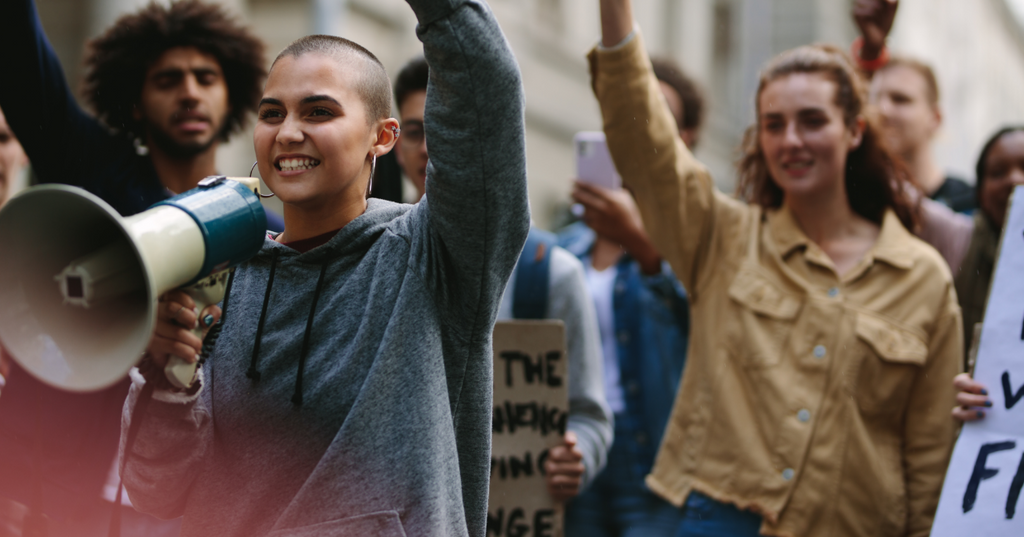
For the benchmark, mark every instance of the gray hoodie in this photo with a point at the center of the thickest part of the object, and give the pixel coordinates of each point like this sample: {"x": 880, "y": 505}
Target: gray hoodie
{"x": 369, "y": 407}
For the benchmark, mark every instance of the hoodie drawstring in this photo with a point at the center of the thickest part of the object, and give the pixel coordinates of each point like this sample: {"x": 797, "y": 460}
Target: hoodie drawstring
{"x": 253, "y": 373}
{"x": 297, "y": 398}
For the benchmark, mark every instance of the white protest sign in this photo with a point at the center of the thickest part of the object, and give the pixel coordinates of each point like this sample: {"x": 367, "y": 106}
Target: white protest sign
{"x": 983, "y": 484}
{"x": 531, "y": 407}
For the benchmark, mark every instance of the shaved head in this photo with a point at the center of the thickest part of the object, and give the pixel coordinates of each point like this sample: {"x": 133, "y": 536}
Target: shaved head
{"x": 373, "y": 85}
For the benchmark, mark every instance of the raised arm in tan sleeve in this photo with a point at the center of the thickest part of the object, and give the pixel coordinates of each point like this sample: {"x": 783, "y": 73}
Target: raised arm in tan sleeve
{"x": 681, "y": 209}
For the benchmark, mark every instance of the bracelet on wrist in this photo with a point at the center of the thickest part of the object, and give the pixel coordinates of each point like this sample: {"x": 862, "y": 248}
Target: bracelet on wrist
{"x": 869, "y": 65}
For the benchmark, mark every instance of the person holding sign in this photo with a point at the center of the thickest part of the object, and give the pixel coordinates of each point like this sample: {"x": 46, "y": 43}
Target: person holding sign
{"x": 815, "y": 399}
{"x": 1000, "y": 168}
{"x": 349, "y": 391}
{"x": 552, "y": 279}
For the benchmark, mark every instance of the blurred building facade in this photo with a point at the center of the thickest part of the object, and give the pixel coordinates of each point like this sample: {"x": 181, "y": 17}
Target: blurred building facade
{"x": 976, "y": 47}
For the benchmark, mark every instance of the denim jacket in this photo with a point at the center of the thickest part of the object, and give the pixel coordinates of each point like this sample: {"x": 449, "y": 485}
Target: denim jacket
{"x": 652, "y": 325}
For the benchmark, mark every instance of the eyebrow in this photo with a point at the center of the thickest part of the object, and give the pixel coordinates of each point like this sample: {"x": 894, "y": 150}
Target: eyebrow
{"x": 801, "y": 112}
{"x": 305, "y": 100}
{"x": 318, "y": 98}
{"x": 177, "y": 71}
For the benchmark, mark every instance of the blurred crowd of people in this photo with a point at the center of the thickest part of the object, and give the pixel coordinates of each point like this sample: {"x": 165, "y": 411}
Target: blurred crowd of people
{"x": 781, "y": 361}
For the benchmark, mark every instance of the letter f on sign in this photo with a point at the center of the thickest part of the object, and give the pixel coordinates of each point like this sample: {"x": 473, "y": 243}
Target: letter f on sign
{"x": 981, "y": 473}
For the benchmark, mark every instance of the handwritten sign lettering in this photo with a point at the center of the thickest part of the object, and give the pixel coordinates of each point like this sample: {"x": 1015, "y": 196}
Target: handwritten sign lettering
{"x": 986, "y": 474}
{"x": 530, "y": 414}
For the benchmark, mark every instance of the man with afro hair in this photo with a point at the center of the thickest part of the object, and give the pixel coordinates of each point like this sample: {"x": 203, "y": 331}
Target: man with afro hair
{"x": 167, "y": 85}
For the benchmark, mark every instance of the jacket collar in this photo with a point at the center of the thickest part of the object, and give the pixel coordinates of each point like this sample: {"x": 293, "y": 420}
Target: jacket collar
{"x": 891, "y": 246}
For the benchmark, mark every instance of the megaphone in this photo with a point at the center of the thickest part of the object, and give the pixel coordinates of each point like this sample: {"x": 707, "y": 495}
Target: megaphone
{"x": 79, "y": 283}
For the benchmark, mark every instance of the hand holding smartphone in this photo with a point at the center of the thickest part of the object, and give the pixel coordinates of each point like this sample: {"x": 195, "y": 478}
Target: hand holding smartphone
{"x": 593, "y": 161}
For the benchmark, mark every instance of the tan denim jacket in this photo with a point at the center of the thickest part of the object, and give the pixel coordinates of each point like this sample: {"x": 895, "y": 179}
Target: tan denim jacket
{"x": 821, "y": 402}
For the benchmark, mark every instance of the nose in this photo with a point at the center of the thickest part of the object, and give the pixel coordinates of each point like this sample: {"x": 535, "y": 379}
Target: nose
{"x": 189, "y": 89}
{"x": 290, "y": 132}
{"x": 884, "y": 107}
{"x": 791, "y": 137}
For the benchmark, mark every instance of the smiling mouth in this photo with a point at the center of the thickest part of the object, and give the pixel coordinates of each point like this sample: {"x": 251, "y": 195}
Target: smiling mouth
{"x": 296, "y": 164}
{"x": 800, "y": 166}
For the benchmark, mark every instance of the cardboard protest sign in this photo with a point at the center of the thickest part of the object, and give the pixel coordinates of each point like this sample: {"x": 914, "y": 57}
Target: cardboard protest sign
{"x": 531, "y": 407}
{"x": 983, "y": 484}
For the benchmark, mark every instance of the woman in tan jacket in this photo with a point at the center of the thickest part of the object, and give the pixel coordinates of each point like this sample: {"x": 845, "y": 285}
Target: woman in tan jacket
{"x": 816, "y": 396}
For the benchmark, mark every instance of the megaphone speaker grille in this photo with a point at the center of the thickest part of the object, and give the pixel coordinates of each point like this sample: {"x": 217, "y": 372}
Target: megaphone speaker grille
{"x": 70, "y": 347}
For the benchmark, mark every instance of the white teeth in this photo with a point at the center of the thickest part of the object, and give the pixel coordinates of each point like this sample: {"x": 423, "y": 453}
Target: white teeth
{"x": 293, "y": 164}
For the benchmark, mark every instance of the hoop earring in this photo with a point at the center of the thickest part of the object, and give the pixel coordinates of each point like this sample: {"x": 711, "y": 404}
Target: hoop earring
{"x": 373, "y": 169}
{"x": 268, "y": 190}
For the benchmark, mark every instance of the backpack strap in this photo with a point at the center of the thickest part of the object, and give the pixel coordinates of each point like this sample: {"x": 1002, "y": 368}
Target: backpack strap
{"x": 533, "y": 276}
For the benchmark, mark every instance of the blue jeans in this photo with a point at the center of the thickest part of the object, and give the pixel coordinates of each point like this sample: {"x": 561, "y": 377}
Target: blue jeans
{"x": 705, "y": 517}
{"x": 617, "y": 503}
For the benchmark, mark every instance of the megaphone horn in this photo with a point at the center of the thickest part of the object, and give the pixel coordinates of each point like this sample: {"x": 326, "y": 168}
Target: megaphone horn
{"x": 79, "y": 283}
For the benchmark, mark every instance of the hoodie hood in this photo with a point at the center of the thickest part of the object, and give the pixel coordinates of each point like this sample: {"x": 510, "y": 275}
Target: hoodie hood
{"x": 354, "y": 239}
{"x": 351, "y": 241}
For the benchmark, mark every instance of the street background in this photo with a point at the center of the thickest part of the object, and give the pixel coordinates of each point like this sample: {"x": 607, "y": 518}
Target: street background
{"x": 976, "y": 48}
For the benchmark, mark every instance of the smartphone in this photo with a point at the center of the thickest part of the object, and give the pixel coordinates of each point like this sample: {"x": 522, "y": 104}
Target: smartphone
{"x": 593, "y": 161}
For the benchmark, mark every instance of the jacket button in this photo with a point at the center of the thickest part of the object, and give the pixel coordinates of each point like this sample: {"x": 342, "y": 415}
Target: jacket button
{"x": 623, "y": 337}
{"x": 804, "y": 415}
{"x": 633, "y": 387}
{"x": 787, "y": 474}
{"x": 819, "y": 351}
{"x": 641, "y": 439}
{"x": 833, "y": 292}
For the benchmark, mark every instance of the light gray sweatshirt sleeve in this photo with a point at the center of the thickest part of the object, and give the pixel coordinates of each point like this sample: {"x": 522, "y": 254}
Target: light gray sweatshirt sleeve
{"x": 476, "y": 205}
{"x": 175, "y": 431}
{"x": 589, "y": 415}
{"x": 475, "y": 217}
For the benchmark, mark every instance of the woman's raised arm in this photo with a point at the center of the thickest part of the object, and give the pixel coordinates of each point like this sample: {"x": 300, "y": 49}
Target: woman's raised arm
{"x": 682, "y": 211}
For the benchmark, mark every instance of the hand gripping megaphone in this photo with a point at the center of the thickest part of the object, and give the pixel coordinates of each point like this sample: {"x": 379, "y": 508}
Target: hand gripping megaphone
{"x": 79, "y": 283}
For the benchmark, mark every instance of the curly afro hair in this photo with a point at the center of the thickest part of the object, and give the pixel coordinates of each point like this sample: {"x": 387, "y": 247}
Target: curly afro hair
{"x": 118, "y": 60}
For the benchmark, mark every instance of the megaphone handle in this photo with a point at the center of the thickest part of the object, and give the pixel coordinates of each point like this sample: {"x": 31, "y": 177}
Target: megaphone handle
{"x": 210, "y": 290}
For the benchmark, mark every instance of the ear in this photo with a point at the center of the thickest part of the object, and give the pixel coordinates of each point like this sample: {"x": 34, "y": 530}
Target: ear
{"x": 386, "y": 132}
{"x": 136, "y": 112}
{"x": 857, "y": 133}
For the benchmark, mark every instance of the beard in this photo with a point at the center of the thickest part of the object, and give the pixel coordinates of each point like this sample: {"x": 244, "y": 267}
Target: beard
{"x": 184, "y": 151}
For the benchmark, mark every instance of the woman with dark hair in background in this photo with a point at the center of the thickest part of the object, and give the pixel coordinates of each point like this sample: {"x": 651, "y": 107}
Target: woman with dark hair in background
{"x": 1000, "y": 168}
{"x": 812, "y": 402}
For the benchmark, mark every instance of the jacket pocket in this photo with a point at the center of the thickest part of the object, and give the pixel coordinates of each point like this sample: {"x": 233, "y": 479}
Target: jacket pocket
{"x": 381, "y": 524}
{"x": 891, "y": 358}
{"x": 765, "y": 315}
